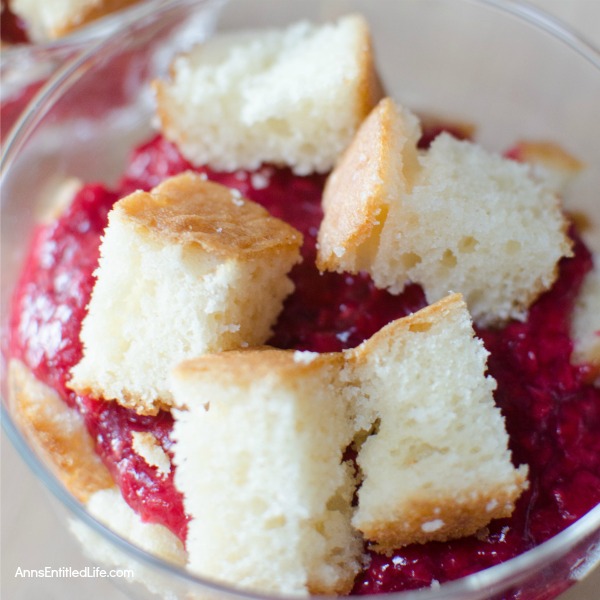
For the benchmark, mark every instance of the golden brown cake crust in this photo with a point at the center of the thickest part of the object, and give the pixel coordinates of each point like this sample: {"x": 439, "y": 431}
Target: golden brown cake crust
{"x": 57, "y": 431}
{"x": 370, "y": 88}
{"x": 90, "y": 13}
{"x": 421, "y": 320}
{"x": 187, "y": 209}
{"x": 253, "y": 364}
{"x": 377, "y": 167}
{"x": 354, "y": 214}
{"x": 452, "y": 517}
{"x": 549, "y": 154}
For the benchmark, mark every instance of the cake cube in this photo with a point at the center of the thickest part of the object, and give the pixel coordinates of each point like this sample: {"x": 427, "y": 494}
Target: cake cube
{"x": 464, "y": 220}
{"x": 188, "y": 268}
{"x": 291, "y": 97}
{"x": 413, "y": 401}
{"x": 435, "y": 459}
{"x": 258, "y": 452}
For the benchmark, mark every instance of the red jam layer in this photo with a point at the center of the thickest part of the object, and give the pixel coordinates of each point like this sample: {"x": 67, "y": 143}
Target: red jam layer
{"x": 12, "y": 28}
{"x": 552, "y": 415}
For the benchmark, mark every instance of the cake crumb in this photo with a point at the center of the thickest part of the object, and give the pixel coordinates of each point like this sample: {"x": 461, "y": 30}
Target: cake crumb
{"x": 148, "y": 447}
{"x": 343, "y": 336}
{"x": 432, "y": 525}
{"x": 259, "y": 181}
{"x": 236, "y": 197}
{"x": 305, "y": 357}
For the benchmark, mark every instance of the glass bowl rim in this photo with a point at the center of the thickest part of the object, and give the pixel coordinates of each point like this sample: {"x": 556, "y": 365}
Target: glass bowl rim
{"x": 498, "y": 576}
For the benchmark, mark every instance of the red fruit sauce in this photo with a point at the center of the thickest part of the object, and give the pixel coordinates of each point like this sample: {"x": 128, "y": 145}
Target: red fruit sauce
{"x": 12, "y": 28}
{"x": 552, "y": 415}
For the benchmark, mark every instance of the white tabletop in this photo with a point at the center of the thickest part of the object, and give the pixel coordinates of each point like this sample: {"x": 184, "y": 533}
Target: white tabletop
{"x": 32, "y": 535}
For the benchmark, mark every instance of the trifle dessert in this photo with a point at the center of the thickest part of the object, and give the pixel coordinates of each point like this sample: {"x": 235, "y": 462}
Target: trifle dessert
{"x": 311, "y": 343}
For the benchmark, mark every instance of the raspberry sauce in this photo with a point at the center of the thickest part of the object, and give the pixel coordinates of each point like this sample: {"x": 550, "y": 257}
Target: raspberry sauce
{"x": 12, "y": 28}
{"x": 552, "y": 415}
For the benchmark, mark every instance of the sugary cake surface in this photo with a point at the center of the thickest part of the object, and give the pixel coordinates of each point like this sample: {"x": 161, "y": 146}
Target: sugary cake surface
{"x": 465, "y": 220}
{"x": 189, "y": 268}
{"x": 188, "y": 209}
{"x": 290, "y": 97}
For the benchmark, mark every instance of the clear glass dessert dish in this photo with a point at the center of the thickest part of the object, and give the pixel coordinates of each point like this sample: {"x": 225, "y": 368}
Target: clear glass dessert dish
{"x": 26, "y": 65}
{"x": 512, "y": 72}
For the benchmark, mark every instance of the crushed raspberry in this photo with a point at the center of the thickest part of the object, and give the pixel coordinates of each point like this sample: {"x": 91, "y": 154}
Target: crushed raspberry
{"x": 552, "y": 415}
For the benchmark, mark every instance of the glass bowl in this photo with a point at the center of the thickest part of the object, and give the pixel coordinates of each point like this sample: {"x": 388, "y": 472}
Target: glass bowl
{"x": 24, "y": 67}
{"x": 511, "y": 70}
